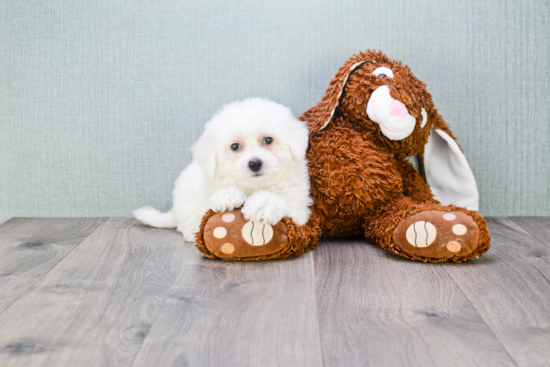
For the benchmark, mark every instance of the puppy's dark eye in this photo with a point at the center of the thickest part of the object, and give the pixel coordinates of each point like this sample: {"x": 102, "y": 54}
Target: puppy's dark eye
{"x": 235, "y": 147}
{"x": 382, "y": 75}
{"x": 268, "y": 140}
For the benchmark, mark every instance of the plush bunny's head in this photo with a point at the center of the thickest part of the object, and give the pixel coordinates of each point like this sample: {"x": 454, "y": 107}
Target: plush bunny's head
{"x": 380, "y": 97}
{"x": 383, "y": 100}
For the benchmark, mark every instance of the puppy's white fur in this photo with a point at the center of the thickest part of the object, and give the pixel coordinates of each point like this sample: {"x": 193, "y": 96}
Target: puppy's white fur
{"x": 220, "y": 178}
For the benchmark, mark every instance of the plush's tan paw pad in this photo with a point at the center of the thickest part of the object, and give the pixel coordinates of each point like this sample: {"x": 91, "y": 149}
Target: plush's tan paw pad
{"x": 437, "y": 234}
{"x": 229, "y": 236}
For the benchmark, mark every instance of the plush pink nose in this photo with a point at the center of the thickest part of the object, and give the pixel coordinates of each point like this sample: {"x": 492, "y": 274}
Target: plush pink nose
{"x": 397, "y": 108}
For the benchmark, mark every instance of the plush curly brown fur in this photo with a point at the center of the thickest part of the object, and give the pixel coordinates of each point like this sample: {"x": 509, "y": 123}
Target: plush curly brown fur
{"x": 360, "y": 181}
{"x": 199, "y": 236}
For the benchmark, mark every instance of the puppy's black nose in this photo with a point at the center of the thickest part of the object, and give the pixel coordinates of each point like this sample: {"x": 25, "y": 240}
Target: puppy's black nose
{"x": 255, "y": 164}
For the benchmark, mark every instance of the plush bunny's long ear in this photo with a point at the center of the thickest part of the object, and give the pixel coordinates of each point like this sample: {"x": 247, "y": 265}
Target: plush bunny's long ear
{"x": 319, "y": 116}
{"x": 447, "y": 171}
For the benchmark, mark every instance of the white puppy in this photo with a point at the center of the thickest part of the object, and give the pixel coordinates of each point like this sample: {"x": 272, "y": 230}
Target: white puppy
{"x": 252, "y": 153}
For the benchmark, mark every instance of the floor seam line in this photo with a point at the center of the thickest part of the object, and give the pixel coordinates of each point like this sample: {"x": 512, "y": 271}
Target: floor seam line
{"x": 53, "y": 267}
{"x": 482, "y": 318}
{"x": 511, "y": 219}
{"x": 317, "y": 306}
{"x": 176, "y": 278}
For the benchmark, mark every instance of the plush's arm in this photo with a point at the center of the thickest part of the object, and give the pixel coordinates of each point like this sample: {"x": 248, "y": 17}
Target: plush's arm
{"x": 414, "y": 185}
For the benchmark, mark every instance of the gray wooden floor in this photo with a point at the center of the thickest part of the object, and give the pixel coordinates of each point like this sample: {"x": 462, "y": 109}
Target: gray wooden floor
{"x": 111, "y": 292}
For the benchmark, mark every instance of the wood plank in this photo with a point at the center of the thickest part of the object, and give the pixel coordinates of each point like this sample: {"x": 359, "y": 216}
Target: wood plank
{"x": 376, "y": 309}
{"x": 510, "y": 288}
{"x": 97, "y": 305}
{"x": 31, "y": 247}
{"x": 538, "y": 227}
{"x": 223, "y": 313}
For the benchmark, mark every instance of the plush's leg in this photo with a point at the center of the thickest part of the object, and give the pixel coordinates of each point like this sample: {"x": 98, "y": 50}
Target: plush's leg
{"x": 231, "y": 237}
{"x": 428, "y": 231}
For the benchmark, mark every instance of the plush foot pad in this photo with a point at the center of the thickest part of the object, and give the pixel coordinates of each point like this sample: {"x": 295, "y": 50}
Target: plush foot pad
{"x": 437, "y": 235}
{"x": 229, "y": 236}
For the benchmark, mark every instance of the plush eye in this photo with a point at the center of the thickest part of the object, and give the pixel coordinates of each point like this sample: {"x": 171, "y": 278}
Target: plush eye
{"x": 235, "y": 147}
{"x": 383, "y": 72}
{"x": 268, "y": 140}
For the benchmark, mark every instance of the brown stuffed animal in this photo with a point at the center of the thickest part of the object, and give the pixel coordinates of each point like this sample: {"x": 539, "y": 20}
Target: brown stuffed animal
{"x": 374, "y": 115}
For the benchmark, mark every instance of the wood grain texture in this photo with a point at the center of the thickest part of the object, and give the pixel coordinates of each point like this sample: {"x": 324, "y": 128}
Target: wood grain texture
{"x": 30, "y": 248}
{"x": 237, "y": 314}
{"x": 131, "y": 295}
{"x": 510, "y": 288}
{"x": 97, "y": 305}
{"x": 537, "y": 227}
{"x": 376, "y": 309}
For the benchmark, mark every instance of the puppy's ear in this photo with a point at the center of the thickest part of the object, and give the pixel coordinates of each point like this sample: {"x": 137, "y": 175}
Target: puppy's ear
{"x": 204, "y": 151}
{"x": 298, "y": 140}
{"x": 319, "y": 116}
{"x": 447, "y": 171}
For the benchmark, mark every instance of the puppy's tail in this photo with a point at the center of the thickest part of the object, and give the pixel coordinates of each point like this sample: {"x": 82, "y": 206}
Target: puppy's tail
{"x": 154, "y": 218}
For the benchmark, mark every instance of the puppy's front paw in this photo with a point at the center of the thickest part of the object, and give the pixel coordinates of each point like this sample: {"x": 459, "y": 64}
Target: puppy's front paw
{"x": 227, "y": 199}
{"x": 265, "y": 207}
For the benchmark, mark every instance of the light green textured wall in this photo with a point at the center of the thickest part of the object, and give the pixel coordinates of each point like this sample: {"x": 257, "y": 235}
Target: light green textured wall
{"x": 100, "y": 100}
